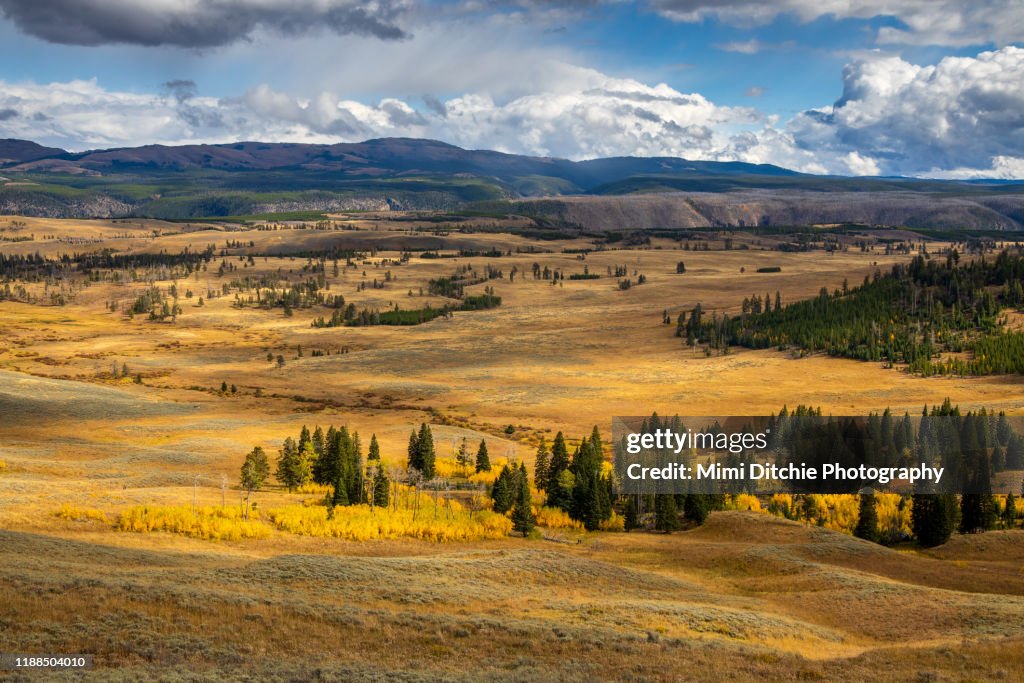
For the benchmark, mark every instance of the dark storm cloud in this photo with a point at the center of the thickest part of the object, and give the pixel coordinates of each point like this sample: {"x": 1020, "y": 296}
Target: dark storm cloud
{"x": 8, "y": 114}
{"x": 195, "y": 25}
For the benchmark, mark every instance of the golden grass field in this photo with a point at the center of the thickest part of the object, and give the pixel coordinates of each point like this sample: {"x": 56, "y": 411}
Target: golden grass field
{"x": 746, "y": 597}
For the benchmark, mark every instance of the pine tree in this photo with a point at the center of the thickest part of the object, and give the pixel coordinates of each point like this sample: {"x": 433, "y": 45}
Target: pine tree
{"x": 319, "y": 442}
{"x": 632, "y": 517}
{"x": 381, "y": 488}
{"x": 523, "y": 520}
{"x": 502, "y": 492}
{"x": 932, "y": 519}
{"x": 559, "y": 459}
{"x": 425, "y": 451}
{"x": 483, "y": 462}
{"x": 1014, "y": 452}
{"x": 695, "y": 508}
{"x": 1010, "y": 512}
{"x": 414, "y": 452}
{"x": 560, "y": 491}
{"x": 286, "y": 464}
{"x": 589, "y": 495}
{"x": 304, "y": 437}
{"x": 666, "y": 516}
{"x": 340, "y": 496}
{"x": 867, "y": 522}
{"x": 374, "y": 453}
{"x": 541, "y": 467}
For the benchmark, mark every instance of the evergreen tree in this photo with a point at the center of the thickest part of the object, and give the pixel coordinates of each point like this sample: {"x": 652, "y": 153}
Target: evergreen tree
{"x": 504, "y": 490}
{"x": 287, "y": 460}
{"x": 977, "y": 506}
{"x": 483, "y": 462}
{"x": 425, "y": 451}
{"x": 319, "y": 442}
{"x": 340, "y": 496}
{"x": 381, "y": 488}
{"x": 523, "y": 520}
{"x": 632, "y": 517}
{"x": 932, "y": 519}
{"x": 695, "y": 508}
{"x": 304, "y": 437}
{"x": 541, "y": 467}
{"x": 867, "y": 521}
{"x": 590, "y": 503}
{"x": 374, "y": 453}
{"x": 559, "y": 458}
{"x": 414, "y": 452}
{"x": 1010, "y": 512}
{"x": 1014, "y": 452}
{"x": 560, "y": 491}
{"x": 666, "y": 516}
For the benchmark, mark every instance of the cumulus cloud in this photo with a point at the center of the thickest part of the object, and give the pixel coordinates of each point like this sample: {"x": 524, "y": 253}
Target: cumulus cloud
{"x": 962, "y": 117}
{"x": 961, "y": 113}
{"x": 185, "y": 23}
{"x": 924, "y": 22}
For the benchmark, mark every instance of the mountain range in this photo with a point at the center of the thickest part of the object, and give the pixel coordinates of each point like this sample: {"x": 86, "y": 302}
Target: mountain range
{"x": 192, "y": 181}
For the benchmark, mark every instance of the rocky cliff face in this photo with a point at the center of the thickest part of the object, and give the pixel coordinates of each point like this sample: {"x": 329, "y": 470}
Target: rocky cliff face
{"x": 785, "y": 208}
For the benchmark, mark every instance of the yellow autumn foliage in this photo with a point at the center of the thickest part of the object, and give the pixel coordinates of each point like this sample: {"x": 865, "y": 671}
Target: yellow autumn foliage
{"x": 894, "y": 521}
{"x": 743, "y": 501}
{"x": 556, "y": 518}
{"x": 210, "y": 523}
{"x": 76, "y": 514}
{"x": 488, "y": 478}
{"x": 357, "y": 523}
{"x": 613, "y": 523}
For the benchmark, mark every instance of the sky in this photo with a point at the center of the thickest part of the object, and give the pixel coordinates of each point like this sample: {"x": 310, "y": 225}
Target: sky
{"x": 928, "y": 88}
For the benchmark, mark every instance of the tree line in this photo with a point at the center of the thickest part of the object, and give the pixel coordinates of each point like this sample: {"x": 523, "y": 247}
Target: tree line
{"x": 912, "y": 315}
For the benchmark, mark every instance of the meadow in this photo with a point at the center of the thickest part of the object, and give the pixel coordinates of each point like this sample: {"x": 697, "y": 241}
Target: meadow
{"x": 122, "y": 530}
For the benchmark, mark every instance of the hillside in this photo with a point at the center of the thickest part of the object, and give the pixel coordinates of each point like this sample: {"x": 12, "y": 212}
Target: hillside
{"x": 245, "y": 178}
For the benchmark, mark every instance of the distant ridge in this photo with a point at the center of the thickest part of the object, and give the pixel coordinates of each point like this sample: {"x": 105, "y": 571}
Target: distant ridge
{"x": 373, "y": 158}
{"x": 612, "y": 194}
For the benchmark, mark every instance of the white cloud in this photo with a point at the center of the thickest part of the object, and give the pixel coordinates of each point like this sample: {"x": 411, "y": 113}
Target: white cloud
{"x": 925, "y": 22}
{"x": 962, "y": 113}
{"x": 962, "y": 117}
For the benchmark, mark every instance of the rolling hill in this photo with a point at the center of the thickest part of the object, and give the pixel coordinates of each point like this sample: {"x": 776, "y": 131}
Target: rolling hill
{"x": 244, "y": 178}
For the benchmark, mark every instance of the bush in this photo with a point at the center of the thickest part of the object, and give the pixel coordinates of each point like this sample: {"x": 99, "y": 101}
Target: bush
{"x": 556, "y": 518}
{"x": 210, "y": 523}
{"x": 75, "y": 514}
{"x": 441, "y": 523}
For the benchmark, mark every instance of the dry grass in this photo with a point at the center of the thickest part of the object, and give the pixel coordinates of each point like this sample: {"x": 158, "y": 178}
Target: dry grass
{"x": 746, "y": 597}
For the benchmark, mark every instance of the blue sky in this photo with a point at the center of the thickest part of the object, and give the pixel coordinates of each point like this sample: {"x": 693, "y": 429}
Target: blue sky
{"x": 924, "y": 87}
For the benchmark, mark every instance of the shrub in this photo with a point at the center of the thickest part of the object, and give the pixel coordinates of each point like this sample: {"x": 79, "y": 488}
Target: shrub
{"x": 556, "y": 518}
{"x": 210, "y": 523}
{"x": 441, "y": 523}
{"x": 75, "y": 514}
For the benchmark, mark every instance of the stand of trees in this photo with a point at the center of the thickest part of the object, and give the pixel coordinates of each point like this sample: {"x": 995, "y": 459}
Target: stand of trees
{"x": 911, "y": 315}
